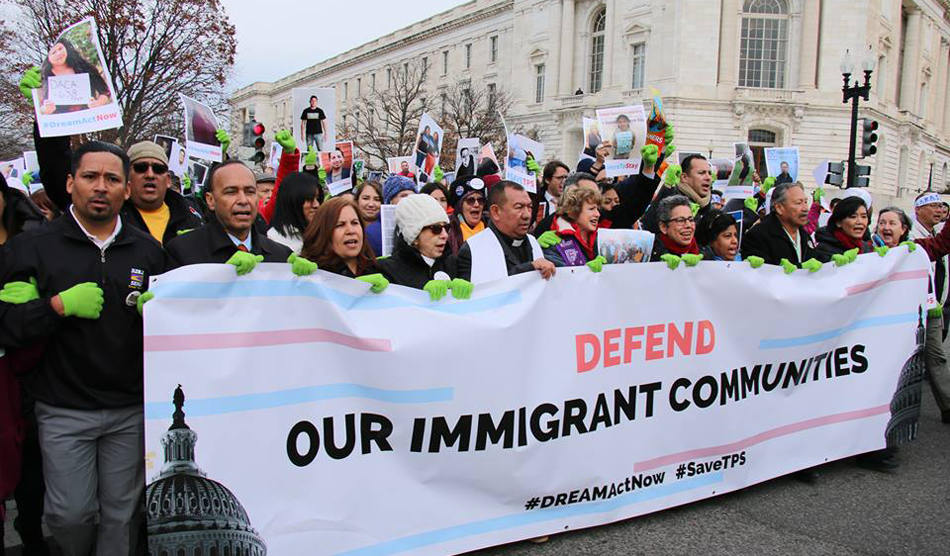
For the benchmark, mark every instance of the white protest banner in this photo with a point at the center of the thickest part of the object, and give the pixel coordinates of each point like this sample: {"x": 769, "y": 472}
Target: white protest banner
{"x": 387, "y": 225}
{"x": 77, "y": 95}
{"x": 344, "y": 422}
{"x": 516, "y": 169}
{"x": 782, "y": 164}
{"x": 624, "y": 129}
{"x": 201, "y": 128}
{"x": 69, "y": 89}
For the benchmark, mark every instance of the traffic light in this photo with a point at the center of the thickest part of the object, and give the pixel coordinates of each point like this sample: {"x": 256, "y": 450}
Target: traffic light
{"x": 257, "y": 136}
{"x": 868, "y": 137}
{"x": 835, "y": 174}
{"x": 862, "y": 175}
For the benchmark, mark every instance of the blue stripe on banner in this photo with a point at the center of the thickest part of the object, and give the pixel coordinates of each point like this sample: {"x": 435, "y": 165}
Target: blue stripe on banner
{"x": 306, "y": 288}
{"x": 873, "y": 322}
{"x": 533, "y": 516}
{"x": 267, "y": 400}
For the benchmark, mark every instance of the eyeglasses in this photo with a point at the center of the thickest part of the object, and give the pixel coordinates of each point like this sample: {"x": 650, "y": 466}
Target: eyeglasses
{"x": 681, "y": 221}
{"x": 474, "y": 201}
{"x": 437, "y": 228}
{"x": 157, "y": 167}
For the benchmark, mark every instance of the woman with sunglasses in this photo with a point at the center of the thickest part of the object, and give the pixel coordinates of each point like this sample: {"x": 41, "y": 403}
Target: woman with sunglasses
{"x": 677, "y": 234}
{"x": 467, "y": 198}
{"x": 420, "y": 258}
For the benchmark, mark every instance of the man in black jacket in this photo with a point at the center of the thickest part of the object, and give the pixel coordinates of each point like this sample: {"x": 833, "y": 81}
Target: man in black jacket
{"x": 781, "y": 234}
{"x": 230, "y": 237}
{"x": 89, "y": 269}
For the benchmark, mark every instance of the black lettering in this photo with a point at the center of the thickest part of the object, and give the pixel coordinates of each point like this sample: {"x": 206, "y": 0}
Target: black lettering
{"x": 522, "y": 426}
{"x": 418, "y": 433}
{"x": 574, "y": 413}
{"x": 627, "y": 406}
{"x": 858, "y": 360}
{"x": 601, "y": 413}
{"x": 793, "y": 373}
{"x": 750, "y": 381}
{"x": 649, "y": 389}
{"x": 769, "y": 386}
{"x": 441, "y": 434}
{"x": 540, "y": 434}
{"x": 313, "y": 436}
{"x": 379, "y": 436}
{"x": 841, "y": 362}
{"x": 677, "y": 384}
{"x": 729, "y": 387}
{"x": 487, "y": 430}
{"x": 349, "y": 423}
{"x": 698, "y": 399}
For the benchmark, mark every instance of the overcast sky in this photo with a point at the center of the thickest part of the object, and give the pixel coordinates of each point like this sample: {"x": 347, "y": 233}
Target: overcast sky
{"x": 279, "y": 37}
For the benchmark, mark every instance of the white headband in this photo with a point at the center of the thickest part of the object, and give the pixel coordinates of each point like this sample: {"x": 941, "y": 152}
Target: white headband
{"x": 928, "y": 199}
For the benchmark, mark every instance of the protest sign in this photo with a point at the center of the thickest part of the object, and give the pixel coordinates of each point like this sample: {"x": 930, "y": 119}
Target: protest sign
{"x": 466, "y": 156}
{"x": 306, "y": 116}
{"x": 197, "y": 172}
{"x": 274, "y": 160}
{"x": 592, "y": 136}
{"x": 518, "y": 151}
{"x": 737, "y": 192}
{"x": 372, "y": 443}
{"x": 656, "y": 123}
{"x": 32, "y": 164}
{"x": 681, "y": 156}
{"x": 201, "y": 127}
{"x": 387, "y": 224}
{"x": 488, "y": 151}
{"x": 401, "y": 166}
{"x": 12, "y": 171}
{"x": 76, "y": 94}
{"x": 178, "y": 161}
{"x": 744, "y": 165}
{"x": 625, "y": 246}
{"x": 782, "y": 164}
{"x": 338, "y": 165}
{"x": 359, "y": 168}
{"x": 624, "y": 129}
{"x": 427, "y": 148}
{"x": 166, "y": 142}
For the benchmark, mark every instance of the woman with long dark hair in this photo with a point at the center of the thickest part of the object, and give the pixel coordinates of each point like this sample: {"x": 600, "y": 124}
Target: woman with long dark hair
{"x": 846, "y": 230}
{"x": 297, "y": 201}
{"x": 17, "y": 213}
{"x": 64, "y": 59}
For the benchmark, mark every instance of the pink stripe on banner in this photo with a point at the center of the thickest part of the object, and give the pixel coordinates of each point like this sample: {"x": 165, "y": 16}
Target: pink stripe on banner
{"x": 784, "y": 430}
{"x": 232, "y": 340}
{"x": 896, "y": 277}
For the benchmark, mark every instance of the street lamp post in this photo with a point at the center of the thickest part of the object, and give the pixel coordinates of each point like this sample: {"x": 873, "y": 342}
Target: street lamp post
{"x": 711, "y": 147}
{"x": 854, "y": 93}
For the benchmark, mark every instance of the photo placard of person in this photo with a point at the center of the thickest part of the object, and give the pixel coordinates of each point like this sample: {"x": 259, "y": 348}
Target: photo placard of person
{"x": 12, "y": 171}
{"x": 744, "y": 165}
{"x": 624, "y": 129}
{"x": 681, "y": 156}
{"x": 519, "y": 149}
{"x": 197, "y": 170}
{"x": 165, "y": 142}
{"x": 77, "y": 94}
{"x": 178, "y": 161}
{"x": 592, "y": 136}
{"x": 401, "y": 166}
{"x": 625, "y": 246}
{"x": 782, "y": 164}
{"x": 466, "y": 156}
{"x": 201, "y": 127}
{"x": 313, "y": 110}
{"x": 32, "y": 164}
{"x": 427, "y": 148}
{"x": 488, "y": 151}
{"x": 387, "y": 222}
{"x": 338, "y": 165}
{"x": 359, "y": 168}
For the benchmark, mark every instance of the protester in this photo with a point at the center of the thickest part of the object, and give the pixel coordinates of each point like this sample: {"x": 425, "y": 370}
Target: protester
{"x": 300, "y": 196}
{"x": 693, "y": 180}
{"x": 552, "y": 185}
{"x": 677, "y": 230}
{"x": 780, "y": 238}
{"x": 576, "y": 227}
{"x": 467, "y": 198}
{"x": 369, "y": 197}
{"x": 717, "y": 234}
{"x": 17, "y": 213}
{"x": 89, "y": 401}
{"x": 265, "y": 188}
{"x": 609, "y": 198}
{"x": 230, "y": 236}
{"x": 334, "y": 240}
{"x": 420, "y": 256}
{"x": 289, "y": 163}
{"x": 845, "y": 230}
{"x": 438, "y": 192}
{"x": 508, "y": 250}
{"x": 395, "y": 189}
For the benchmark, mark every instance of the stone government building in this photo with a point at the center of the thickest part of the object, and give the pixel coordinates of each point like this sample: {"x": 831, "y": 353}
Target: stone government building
{"x": 762, "y": 71}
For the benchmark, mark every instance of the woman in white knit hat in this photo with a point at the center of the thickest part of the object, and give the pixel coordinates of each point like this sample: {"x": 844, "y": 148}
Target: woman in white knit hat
{"x": 420, "y": 259}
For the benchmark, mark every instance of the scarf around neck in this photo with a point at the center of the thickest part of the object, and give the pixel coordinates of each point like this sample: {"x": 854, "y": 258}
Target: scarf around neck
{"x": 676, "y": 248}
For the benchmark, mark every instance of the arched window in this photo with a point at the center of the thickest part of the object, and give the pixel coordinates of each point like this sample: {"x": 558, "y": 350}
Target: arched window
{"x": 597, "y": 38}
{"x": 759, "y": 140}
{"x": 763, "y": 50}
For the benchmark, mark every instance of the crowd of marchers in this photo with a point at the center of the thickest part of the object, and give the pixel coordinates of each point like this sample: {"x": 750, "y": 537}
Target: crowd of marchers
{"x": 77, "y": 256}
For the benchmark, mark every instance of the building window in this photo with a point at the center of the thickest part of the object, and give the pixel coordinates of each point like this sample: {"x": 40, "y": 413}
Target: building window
{"x": 389, "y": 78}
{"x": 468, "y": 56}
{"x": 539, "y": 83}
{"x": 763, "y": 49}
{"x": 597, "y": 38}
{"x": 639, "y": 65}
{"x": 445, "y": 62}
{"x": 759, "y": 140}
{"x": 346, "y": 90}
{"x": 372, "y": 81}
{"x": 922, "y": 110}
{"x": 902, "y": 162}
{"x": 357, "y": 123}
{"x": 493, "y": 48}
{"x": 492, "y": 91}
{"x": 359, "y": 86}
{"x": 882, "y": 77}
{"x": 251, "y": 113}
{"x": 425, "y": 67}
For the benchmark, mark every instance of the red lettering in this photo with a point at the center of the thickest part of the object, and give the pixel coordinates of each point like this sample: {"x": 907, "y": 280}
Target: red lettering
{"x": 629, "y": 344}
{"x": 654, "y": 341}
{"x": 675, "y": 339}
{"x": 611, "y": 348}
{"x": 706, "y": 340}
{"x": 581, "y": 341}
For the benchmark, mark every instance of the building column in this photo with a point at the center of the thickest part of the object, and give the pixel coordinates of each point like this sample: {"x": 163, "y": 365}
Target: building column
{"x": 943, "y": 81}
{"x": 553, "y": 63}
{"x": 808, "y": 51}
{"x": 610, "y": 37}
{"x": 566, "y": 69}
{"x": 910, "y": 72}
{"x": 729, "y": 43}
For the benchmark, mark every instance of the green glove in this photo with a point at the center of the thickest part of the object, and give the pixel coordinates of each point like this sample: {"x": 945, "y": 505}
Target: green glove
{"x": 755, "y": 262}
{"x": 286, "y": 140}
{"x": 672, "y": 175}
{"x": 668, "y": 139}
{"x": 311, "y": 158}
{"x": 26, "y": 179}
{"x": 322, "y": 174}
{"x": 531, "y": 164}
{"x": 840, "y": 260}
{"x": 301, "y": 266}
{"x": 811, "y": 265}
{"x": 437, "y": 289}
{"x": 769, "y": 183}
{"x": 752, "y": 204}
{"x": 223, "y": 138}
{"x": 691, "y": 260}
{"x": 671, "y": 260}
{"x": 438, "y": 174}
{"x": 16, "y": 293}
{"x": 461, "y": 289}
{"x": 142, "y": 300}
{"x": 935, "y": 313}
{"x": 82, "y": 300}
{"x": 911, "y": 245}
{"x": 818, "y": 194}
{"x": 649, "y": 154}
{"x": 549, "y": 239}
{"x": 597, "y": 264}
{"x": 32, "y": 79}
{"x": 186, "y": 183}
{"x": 852, "y": 254}
{"x": 378, "y": 281}
{"x": 882, "y": 250}
{"x": 694, "y": 208}
{"x": 787, "y": 266}
{"x": 244, "y": 262}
